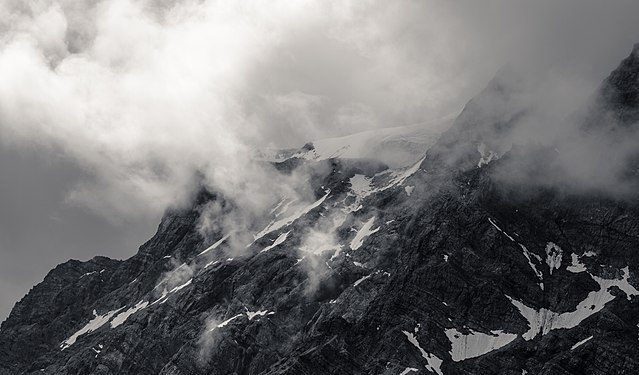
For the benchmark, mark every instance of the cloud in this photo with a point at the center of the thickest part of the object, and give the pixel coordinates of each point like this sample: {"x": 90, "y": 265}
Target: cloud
{"x": 148, "y": 95}
{"x": 149, "y": 101}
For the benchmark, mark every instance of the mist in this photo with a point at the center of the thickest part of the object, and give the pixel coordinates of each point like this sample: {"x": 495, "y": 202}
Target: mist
{"x": 143, "y": 94}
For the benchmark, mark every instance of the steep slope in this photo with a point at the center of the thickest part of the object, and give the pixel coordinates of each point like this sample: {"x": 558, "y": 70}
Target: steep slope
{"x": 436, "y": 267}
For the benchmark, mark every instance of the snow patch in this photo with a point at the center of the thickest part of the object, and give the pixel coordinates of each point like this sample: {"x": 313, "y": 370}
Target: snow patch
{"x": 485, "y": 156}
{"x": 361, "y": 186}
{"x": 409, "y": 190}
{"x": 475, "y": 344}
{"x": 123, "y": 316}
{"x": 553, "y": 256}
{"x": 364, "y": 232}
{"x": 278, "y": 241}
{"x": 543, "y": 321}
{"x": 576, "y": 266}
{"x": 95, "y": 323}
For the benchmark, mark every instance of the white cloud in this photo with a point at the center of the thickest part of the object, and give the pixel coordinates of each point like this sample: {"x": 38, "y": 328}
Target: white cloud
{"x": 142, "y": 94}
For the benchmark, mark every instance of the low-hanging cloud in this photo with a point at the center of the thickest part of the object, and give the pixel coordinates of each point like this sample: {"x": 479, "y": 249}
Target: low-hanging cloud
{"x": 148, "y": 95}
{"x": 154, "y": 97}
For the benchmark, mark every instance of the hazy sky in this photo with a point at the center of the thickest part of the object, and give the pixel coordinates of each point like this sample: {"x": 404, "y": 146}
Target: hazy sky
{"x": 107, "y": 108}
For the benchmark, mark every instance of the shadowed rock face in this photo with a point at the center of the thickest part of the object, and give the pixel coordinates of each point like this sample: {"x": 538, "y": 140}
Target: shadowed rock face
{"x": 442, "y": 270}
{"x": 620, "y": 91}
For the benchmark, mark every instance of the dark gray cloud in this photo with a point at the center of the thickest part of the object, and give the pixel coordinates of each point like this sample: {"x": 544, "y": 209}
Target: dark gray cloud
{"x": 131, "y": 97}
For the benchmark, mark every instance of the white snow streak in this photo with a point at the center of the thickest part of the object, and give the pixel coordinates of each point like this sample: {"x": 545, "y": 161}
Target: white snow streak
{"x": 580, "y": 343}
{"x": 213, "y": 262}
{"x": 433, "y": 363}
{"x": 278, "y": 241}
{"x": 251, "y": 314}
{"x": 499, "y": 229}
{"x": 364, "y": 232}
{"x": 275, "y": 225}
{"x": 278, "y": 205}
{"x": 402, "y": 176}
{"x": 88, "y": 273}
{"x": 123, "y": 316}
{"x": 361, "y": 280}
{"x": 537, "y": 272}
{"x": 215, "y": 245}
{"x": 224, "y": 323}
{"x": 408, "y": 370}
{"x": 527, "y": 254}
{"x": 165, "y": 295}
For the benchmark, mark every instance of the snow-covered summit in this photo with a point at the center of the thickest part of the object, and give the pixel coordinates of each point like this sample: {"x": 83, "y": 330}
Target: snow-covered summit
{"x": 396, "y": 146}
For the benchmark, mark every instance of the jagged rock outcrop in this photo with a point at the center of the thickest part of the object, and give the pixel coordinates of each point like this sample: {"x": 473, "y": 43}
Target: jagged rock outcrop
{"x": 619, "y": 94}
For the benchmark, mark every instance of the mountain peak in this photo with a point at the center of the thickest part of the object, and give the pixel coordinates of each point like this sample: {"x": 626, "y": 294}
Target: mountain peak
{"x": 619, "y": 94}
{"x": 389, "y": 271}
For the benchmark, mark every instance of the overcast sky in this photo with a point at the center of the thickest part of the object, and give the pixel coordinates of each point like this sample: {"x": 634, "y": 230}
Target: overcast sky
{"x": 107, "y": 108}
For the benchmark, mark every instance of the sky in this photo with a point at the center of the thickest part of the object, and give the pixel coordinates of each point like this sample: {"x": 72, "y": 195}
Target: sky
{"x": 110, "y": 109}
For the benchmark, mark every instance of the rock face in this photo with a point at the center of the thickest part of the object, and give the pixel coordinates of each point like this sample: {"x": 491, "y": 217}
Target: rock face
{"x": 433, "y": 268}
{"x": 619, "y": 94}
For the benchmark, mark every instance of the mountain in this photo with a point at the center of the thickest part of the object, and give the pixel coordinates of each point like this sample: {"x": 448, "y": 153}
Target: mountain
{"x": 437, "y": 267}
